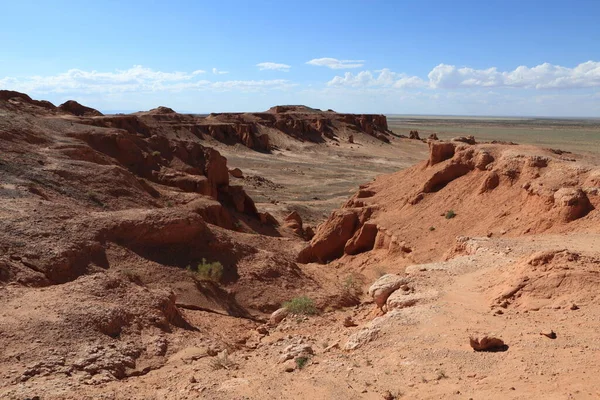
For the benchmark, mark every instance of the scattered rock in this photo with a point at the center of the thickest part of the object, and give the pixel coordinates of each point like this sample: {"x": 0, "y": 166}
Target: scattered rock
{"x": 349, "y": 322}
{"x": 289, "y": 366}
{"x": 294, "y": 351}
{"x": 550, "y": 335}
{"x": 278, "y": 315}
{"x": 487, "y": 343}
{"x": 362, "y": 337}
{"x": 335, "y": 345}
{"x": 236, "y": 173}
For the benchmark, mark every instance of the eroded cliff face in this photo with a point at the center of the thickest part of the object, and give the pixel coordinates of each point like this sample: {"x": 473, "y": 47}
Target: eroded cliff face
{"x": 522, "y": 189}
{"x": 249, "y": 129}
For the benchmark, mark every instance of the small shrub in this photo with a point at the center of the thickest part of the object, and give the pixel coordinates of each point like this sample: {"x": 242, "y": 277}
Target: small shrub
{"x": 301, "y": 305}
{"x": 222, "y": 361}
{"x": 131, "y": 275}
{"x": 208, "y": 271}
{"x": 301, "y": 362}
{"x": 441, "y": 375}
{"x": 450, "y": 214}
{"x": 156, "y": 153}
{"x": 350, "y": 291}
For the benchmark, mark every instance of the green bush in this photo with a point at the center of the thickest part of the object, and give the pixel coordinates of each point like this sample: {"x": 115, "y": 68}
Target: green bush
{"x": 450, "y": 214}
{"x": 301, "y": 305}
{"x": 301, "y": 362}
{"x": 208, "y": 271}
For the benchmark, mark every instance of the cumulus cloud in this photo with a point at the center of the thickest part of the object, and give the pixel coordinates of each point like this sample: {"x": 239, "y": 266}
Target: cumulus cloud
{"x": 543, "y": 76}
{"x": 334, "y": 63}
{"x": 135, "y": 79}
{"x": 443, "y": 76}
{"x": 218, "y": 72}
{"x": 273, "y": 66}
{"x": 380, "y": 78}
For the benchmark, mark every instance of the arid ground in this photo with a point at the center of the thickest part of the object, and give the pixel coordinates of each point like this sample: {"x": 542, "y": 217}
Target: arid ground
{"x": 343, "y": 260}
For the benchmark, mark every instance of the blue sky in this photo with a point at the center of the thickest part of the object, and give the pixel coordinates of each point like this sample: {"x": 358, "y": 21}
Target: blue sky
{"x": 528, "y": 57}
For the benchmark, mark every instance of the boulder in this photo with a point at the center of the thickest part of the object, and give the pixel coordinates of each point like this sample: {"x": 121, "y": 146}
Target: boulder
{"x": 278, "y": 315}
{"x": 414, "y": 135}
{"x": 383, "y": 287}
{"x": 487, "y": 343}
{"x": 362, "y": 337}
{"x": 236, "y": 173}
{"x": 433, "y": 136}
{"x": 293, "y": 351}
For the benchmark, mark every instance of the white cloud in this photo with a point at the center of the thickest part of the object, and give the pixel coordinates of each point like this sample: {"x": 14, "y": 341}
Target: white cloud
{"x": 135, "y": 79}
{"x": 443, "y": 76}
{"x": 217, "y": 72}
{"x": 273, "y": 66}
{"x": 382, "y": 78}
{"x": 334, "y": 63}
{"x": 543, "y": 76}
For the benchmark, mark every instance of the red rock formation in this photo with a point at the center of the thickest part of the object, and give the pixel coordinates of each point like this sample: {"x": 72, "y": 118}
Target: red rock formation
{"x": 414, "y": 135}
{"x": 440, "y": 151}
{"x": 363, "y": 240}
{"x": 73, "y": 107}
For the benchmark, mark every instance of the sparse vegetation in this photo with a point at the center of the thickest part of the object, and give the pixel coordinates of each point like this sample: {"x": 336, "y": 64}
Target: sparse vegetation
{"x": 207, "y": 271}
{"x": 350, "y": 291}
{"x": 441, "y": 375}
{"x": 301, "y": 362}
{"x": 450, "y": 214}
{"x": 302, "y": 305}
{"x": 222, "y": 361}
{"x": 131, "y": 275}
{"x": 156, "y": 153}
